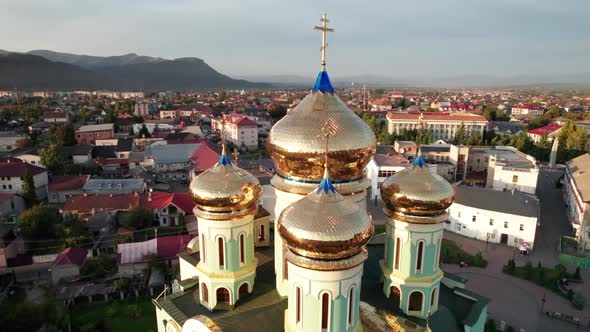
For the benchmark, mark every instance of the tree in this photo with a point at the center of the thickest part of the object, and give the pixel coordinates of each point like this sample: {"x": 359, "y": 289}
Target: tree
{"x": 29, "y": 192}
{"x": 61, "y": 135}
{"x": 143, "y": 132}
{"x": 24, "y": 143}
{"x": 39, "y": 222}
{"x": 490, "y": 326}
{"x": 52, "y": 159}
{"x": 98, "y": 267}
{"x": 74, "y": 231}
{"x": 276, "y": 111}
{"x": 460, "y": 135}
{"x": 138, "y": 218}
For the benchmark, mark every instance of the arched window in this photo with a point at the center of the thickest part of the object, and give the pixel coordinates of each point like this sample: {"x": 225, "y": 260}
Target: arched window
{"x": 325, "y": 311}
{"x": 203, "y": 248}
{"x": 398, "y": 245}
{"x": 243, "y": 290}
{"x": 205, "y": 293}
{"x": 298, "y": 304}
{"x": 433, "y": 298}
{"x": 419, "y": 256}
{"x": 437, "y": 257}
{"x": 221, "y": 253}
{"x": 415, "y": 303}
{"x": 223, "y": 295}
{"x": 350, "y": 306}
{"x": 242, "y": 249}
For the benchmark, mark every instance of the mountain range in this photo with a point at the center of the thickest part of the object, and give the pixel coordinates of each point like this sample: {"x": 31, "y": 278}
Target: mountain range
{"x": 49, "y": 70}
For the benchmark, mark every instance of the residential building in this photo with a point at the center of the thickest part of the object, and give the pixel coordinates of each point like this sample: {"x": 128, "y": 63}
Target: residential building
{"x": 67, "y": 264}
{"x": 114, "y": 186}
{"x": 56, "y": 117}
{"x": 576, "y": 192}
{"x": 77, "y": 154}
{"x": 28, "y": 155}
{"x": 171, "y": 209}
{"x": 12, "y": 177}
{"x": 506, "y": 217}
{"x": 506, "y": 127}
{"x": 441, "y": 125}
{"x": 87, "y": 135}
{"x": 10, "y": 245}
{"x": 11, "y": 206}
{"x": 8, "y": 141}
{"x": 132, "y": 258}
{"x": 385, "y": 163}
{"x": 176, "y": 161}
{"x": 527, "y": 109}
{"x": 144, "y": 108}
{"x": 407, "y": 148}
{"x": 63, "y": 187}
{"x": 239, "y": 130}
{"x": 550, "y": 131}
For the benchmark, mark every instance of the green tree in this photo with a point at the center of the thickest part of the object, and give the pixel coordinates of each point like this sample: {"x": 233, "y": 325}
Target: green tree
{"x": 98, "y": 267}
{"x": 39, "y": 222}
{"x": 61, "y": 135}
{"x": 490, "y": 326}
{"x": 29, "y": 192}
{"x": 460, "y": 135}
{"x": 24, "y": 143}
{"x": 138, "y": 218}
{"x": 52, "y": 159}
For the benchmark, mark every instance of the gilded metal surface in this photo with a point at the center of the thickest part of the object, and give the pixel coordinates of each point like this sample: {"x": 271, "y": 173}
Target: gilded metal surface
{"x": 296, "y": 146}
{"x": 327, "y": 265}
{"x": 416, "y": 219}
{"x": 416, "y": 191}
{"x": 325, "y": 226}
{"x": 224, "y": 215}
{"x": 300, "y": 188}
{"x": 225, "y": 188}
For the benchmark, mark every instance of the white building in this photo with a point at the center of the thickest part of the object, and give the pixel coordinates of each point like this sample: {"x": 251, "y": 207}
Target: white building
{"x": 12, "y": 177}
{"x": 385, "y": 163}
{"x": 441, "y": 125}
{"x": 529, "y": 109}
{"x": 507, "y": 217}
{"x": 144, "y": 108}
{"x": 576, "y": 191}
{"x": 239, "y": 130}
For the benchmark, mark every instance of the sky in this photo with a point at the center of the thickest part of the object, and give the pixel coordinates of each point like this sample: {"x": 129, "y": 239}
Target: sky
{"x": 421, "y": 38}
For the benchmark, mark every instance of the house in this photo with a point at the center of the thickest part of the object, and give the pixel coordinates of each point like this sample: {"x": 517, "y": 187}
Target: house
{"x": 124, "y": 147}
{"x": 55, "y": 117}
{"x": 506, "y": 127}
{"x": 170, "y": 209}
{"x": 63, "y": 187}
{"x": 507, "y": 217}
{"x": 40, "y": 127}
{"x": 114, "y": 186}
{"x": 171, "y": 161}
{"x": 527, "y": 109}
{"x": 67, "y": 264}
{"x": 77, "y": 154}
{"x": 144, "y": 108}
{"x": 12, "y": 177}
{"x": 10, "y": 245}
{"x": 8, "y": 141}
{"x": 576, "y": 192}
{"x": 87, "y": 205}
{"x": 406, "y": 148}
{"x": 87, "y": 135}
{"x": 550, "y": 131}
{"x": 11, "y": 206}
{"x": 132, "y": 258}
{"x": 124, "y": 125}
{"x": 28, "y": 155}
{"x": 239, "y": 130}
{"x": 385, "y": 163}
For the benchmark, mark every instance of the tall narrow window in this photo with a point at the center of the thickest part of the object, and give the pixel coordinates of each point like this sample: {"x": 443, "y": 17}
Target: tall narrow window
{"x": 325, "y": 310}
{"x": 205, "y": 292}
{"x": 415, "y": 303}
{"x": 433, "y": 297}
{"x": 298, "y": 305}
{"x": 221, "y": 253}
{"x": 437, "y": 257}
{"x": 420, "y": 253}
{"x": 242, "y": 249}
{"x": 350, "y": 306}
{"x": 203, "y": 248}
{"x": 397, "y": 253}
{"x": 261, "y": 235}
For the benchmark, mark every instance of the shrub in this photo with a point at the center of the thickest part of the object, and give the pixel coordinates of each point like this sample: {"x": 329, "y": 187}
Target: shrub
{"x": 570, "y": 294}
{"x": 133, "y": 311}
{"x": 578, "y": 301}
{"x": 577, "y": 274}
{"x": 562, "y": 271}
{"x": 510, "y": 267}
{"x": 490, "y": 326}
{"x": 528, "y": 271}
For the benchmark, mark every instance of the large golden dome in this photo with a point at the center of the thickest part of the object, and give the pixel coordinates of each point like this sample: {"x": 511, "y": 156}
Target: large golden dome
{"x": 416, "y": 191}
{"x": 296, "y": 146}
{"x": 323, "y": 225}
{"x": 225, "y": 189}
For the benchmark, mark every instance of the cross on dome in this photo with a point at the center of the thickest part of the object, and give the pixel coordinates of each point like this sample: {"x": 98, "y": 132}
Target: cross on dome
{"x": 322, "y": 82}
{"x": 329, "y": 130}
{"x": 223, "y": 159}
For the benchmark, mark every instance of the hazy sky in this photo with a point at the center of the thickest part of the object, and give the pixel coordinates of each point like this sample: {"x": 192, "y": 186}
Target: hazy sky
{"x": 385, "y": 37}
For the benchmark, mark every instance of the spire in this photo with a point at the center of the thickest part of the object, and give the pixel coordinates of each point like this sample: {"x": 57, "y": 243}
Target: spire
{"x": 322, "y": 82}
{"x": 419, "y": 161}
{"x": 223, "y": 159}
{"x": 327, "y": 131}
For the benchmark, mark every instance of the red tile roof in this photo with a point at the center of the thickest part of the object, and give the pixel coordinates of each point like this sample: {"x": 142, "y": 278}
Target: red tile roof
{"x": 204, "y": 158}
{"x": 67, "y": 182}
{"x": 113, "y": 161}
{"x": 19, "y": 169}
{"x": 433, "y": 116}
{"x": 103, "y": 202}
{"x": 71, "y": 255}
{"x": 245, "y": 122}
{"x": 182, "y": 201}
{"x": 546, "y": 130}
{"x": 170, "y": 246}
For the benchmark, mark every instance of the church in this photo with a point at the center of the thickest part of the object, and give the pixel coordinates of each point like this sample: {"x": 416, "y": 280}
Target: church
{"x": 325, "y": 269}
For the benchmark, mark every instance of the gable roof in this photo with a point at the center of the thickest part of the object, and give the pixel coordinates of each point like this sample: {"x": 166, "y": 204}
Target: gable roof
{"x": 546, "y": 130}
{"x": 579, "y": 168}
{"x": 182, "y": 201}
{"x": 171, "y": 153}
{"x": 71, "y": 255}
{"x": 204, "y": 158}
{"x": 19, "y": 169}
{"x": 103, "y": 202}
{"x": 67, "y": 182}
{"x": 97, "y": 127}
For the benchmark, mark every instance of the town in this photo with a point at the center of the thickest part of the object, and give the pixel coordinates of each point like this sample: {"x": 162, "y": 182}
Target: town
{"x": 96, "y": 207}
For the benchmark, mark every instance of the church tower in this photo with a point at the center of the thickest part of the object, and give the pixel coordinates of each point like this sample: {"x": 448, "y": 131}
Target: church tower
{"x": 325, "y": 235}
{"x": 296, "y": 147}
{"x": 416, "y": 206}
{"x": 226, "y": 202}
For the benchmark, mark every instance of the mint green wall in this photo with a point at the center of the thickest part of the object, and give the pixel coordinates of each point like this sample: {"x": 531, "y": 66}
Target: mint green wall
{"x": 232, "y": 256}
{"x": 407, "y": 290}
{"x": 409, "y": 252}
{"x": 312, "y": 313}
{"x": 481, "y": 321}
{"x": 233, "y": 287}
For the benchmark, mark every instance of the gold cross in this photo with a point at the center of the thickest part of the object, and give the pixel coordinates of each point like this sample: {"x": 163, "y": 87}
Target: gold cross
{"x": 222, "y": 135}
{"x": 328, "y": 130}
{"x": 236, "y": 153}
{"x": 324, "y": 29}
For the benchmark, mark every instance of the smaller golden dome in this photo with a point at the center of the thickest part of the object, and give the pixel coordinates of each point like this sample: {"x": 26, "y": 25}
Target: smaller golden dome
{"x": 416, "y": 191}
{"x": 225, "y": 189}
{"x": 323, "y": 225}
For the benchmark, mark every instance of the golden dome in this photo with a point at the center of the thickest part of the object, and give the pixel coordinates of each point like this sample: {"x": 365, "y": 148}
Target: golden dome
{"x": 296, "y": 146}
{"x": 323, "y": 225}
{"x": 225, "y": 189}
{"x": 416, "y": 191}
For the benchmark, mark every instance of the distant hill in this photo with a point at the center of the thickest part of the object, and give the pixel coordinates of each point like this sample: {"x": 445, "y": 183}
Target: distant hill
{"x": 50, "y": 70}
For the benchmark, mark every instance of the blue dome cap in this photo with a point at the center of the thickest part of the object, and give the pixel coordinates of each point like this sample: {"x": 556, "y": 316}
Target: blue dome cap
{"x": 322, "y": 83}
{"x": 326, "y": 184}
{"x": 419, "y": 161}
